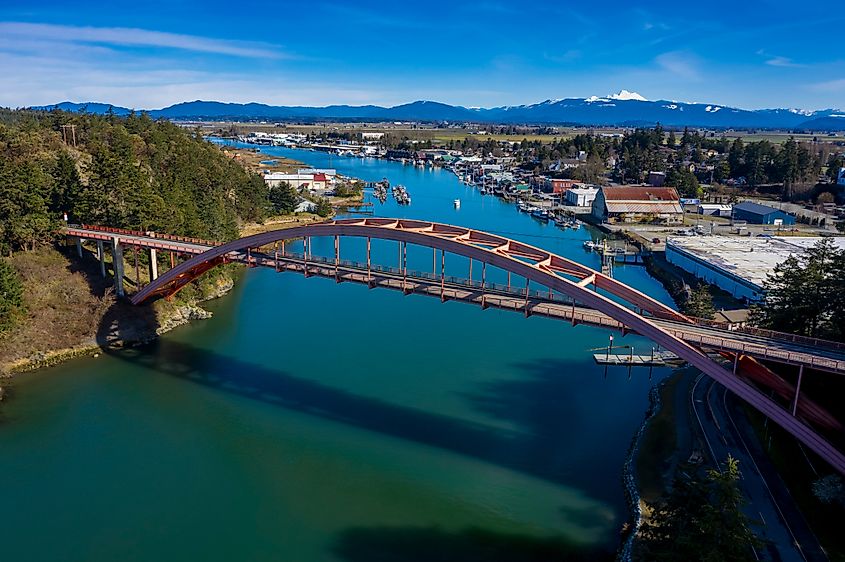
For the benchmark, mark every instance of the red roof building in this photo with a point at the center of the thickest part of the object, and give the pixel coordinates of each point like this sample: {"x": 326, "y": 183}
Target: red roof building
{"x": 636, "y": 203}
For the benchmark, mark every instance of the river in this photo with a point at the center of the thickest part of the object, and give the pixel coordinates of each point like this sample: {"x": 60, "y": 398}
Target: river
{"x": 310, "y": 421}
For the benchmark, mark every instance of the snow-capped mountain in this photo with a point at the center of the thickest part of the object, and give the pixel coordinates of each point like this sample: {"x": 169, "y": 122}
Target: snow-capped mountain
{"x": 624, "y": 108}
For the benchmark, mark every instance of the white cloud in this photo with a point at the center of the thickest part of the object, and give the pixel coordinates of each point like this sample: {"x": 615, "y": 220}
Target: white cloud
{"x": 782, "y": 61}
{"x": 132, "y": 37}
{"x": 679, "y": 64}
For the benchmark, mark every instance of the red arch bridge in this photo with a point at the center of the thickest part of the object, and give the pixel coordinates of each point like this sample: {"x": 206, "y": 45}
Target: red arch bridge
{"x": 569, "y": 291}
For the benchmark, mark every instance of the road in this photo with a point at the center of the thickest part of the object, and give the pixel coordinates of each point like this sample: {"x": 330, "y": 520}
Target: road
{"x": 725, "y": 430}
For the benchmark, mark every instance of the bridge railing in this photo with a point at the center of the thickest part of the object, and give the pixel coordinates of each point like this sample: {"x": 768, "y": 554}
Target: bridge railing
{"x": 452, "y": 280}
{"x": 762, "y": 332}
{"x": 173, "y": 237}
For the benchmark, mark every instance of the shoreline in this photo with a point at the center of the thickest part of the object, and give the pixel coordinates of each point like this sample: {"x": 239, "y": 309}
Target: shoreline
{"x": 177, "y": 316}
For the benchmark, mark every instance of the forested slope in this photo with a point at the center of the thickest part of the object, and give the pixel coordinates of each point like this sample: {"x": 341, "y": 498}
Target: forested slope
{"x": 129, "y": 172}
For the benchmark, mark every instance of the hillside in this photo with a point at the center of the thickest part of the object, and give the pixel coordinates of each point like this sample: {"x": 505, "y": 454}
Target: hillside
{"x": 128, "y": 172}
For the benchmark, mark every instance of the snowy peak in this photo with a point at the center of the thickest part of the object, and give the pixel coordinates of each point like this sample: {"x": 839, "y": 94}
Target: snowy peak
{"x": 622, "y": 95}
{"x": 625, "y": 95}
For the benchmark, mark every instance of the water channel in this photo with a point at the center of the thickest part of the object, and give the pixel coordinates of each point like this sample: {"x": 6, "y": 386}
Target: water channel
{"x": 311, "y": 421}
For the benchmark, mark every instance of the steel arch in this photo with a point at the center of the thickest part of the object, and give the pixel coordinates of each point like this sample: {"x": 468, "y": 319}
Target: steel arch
{"x": 529, "y": 262}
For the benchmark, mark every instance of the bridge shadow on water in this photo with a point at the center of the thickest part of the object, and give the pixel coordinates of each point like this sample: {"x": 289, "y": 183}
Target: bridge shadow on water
{"x": 512, "y": 449}
{"x": 431, "y": 544}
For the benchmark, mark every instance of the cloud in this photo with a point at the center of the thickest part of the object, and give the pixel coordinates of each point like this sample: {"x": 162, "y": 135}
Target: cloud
{"x": 679, "y": 64}
{"x": 829, "y": 86}
{"x": 133, "y": 37}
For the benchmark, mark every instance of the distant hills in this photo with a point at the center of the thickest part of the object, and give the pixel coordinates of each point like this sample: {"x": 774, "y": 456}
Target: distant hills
{"x": 623, "y": 109}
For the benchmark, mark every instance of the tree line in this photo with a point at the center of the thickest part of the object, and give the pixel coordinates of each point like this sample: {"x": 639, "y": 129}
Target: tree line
{"x": 130, "y": 172}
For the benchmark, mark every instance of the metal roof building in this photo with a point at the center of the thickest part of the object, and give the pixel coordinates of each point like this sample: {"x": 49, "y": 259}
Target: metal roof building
{"x": 637, "y": 203}
{"x": 739, "y": 266}
{"x": 756, "y": 213}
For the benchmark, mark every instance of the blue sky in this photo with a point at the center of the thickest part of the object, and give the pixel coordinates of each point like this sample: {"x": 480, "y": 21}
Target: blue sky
{"x": 750, "y": 54}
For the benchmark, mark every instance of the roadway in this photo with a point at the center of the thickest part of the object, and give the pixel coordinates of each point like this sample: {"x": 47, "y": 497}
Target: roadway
{"x": 778, "y": 521}
{"x": 782, "y": 349}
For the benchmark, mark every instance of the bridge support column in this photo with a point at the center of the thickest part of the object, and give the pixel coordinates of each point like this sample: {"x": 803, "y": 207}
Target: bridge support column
{"x": 153, "y": 264}
{"x": 336, "y": 258}
{"x": 101, "y": 255}
{"x": 797, "y": 389}
{"x": 79, "y": 247}
{"x": 276, "y": 255}
{"x": 172, "y": 260}
{"x": 117, "y": 266}
{"x": 404, "y": 267}
{"x": 527, "y": 286}
{"x": 369, "y": 274}
{"x": 483, "y": 283}
{"x": 442, "y": 276}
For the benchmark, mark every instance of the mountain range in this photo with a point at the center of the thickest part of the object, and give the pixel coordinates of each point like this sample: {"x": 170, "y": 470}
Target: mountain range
{"x": 626, "y": 109}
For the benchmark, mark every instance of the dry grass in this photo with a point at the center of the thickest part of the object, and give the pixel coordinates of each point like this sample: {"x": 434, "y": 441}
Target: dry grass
{"x": 63, "y": 308}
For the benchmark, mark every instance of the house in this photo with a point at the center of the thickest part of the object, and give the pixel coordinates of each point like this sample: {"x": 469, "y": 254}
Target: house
{"x": 581, "y": 196}
{"x": 637, "y": 203}
{"x": 319, "y": 181}
{"x": 554, "y": 185}
{"x": 305, "y": 206}
{"x": 755, "y": 213}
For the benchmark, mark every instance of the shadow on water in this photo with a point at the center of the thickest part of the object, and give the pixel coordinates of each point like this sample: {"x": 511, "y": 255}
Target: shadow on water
{"x": 231, "y": 375}
{"x": 431, "y": 544}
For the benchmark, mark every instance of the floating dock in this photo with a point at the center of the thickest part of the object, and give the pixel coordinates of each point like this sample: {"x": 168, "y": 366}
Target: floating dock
{"x": 659, "y": 359}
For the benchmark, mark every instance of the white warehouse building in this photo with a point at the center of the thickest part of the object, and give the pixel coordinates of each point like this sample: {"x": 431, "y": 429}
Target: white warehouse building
{"x": 739, "y": 266}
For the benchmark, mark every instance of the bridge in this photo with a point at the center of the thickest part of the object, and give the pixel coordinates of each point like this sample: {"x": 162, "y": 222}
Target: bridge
{"x": 567, "y": 291}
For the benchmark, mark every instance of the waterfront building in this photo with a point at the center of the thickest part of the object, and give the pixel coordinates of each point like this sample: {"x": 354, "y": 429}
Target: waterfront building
{"x": 637, "y": 203}
{"x": 737, "y": 265}
{"x": 581, "y": 196}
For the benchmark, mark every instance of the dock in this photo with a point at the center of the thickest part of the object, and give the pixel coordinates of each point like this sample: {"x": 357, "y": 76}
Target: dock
{"x": 658, "y": 359}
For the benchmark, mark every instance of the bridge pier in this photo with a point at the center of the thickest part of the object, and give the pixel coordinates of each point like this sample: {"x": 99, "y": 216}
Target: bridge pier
{"x": 79, "y": 247}
{"x": 117, "y": 265}
{"x": 153, "y": 265}
{"x": 101, "y": 255}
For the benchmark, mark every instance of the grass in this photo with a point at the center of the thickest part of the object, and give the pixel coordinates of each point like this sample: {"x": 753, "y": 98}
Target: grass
{"x": 62, "y": 309}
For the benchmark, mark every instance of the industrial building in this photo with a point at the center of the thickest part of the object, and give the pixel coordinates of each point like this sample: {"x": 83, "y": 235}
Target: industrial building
{"x": 739, "y": 266}
{"x": 632, "y": 203}
{"x": 581, "y": 196}
{"x": 755, "y": 213}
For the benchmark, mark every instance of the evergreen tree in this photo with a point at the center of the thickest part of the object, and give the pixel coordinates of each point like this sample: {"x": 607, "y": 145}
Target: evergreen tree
{"x": 700, "y": 519}
{"x": 700, "y": 303}
{"x": 283, "y": 198}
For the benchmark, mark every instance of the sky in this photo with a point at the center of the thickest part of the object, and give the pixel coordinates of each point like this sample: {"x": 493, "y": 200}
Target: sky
{"x": 151, "y": 54}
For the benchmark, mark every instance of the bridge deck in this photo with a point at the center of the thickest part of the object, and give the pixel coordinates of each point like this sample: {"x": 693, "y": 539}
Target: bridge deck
{"x": 782, "y": 349}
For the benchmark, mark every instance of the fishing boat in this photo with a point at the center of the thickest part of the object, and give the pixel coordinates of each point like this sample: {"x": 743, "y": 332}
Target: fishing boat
{"x": 457, "y": 203}
{"x": 589, "y": 245}
{"x": 541, "y": 214}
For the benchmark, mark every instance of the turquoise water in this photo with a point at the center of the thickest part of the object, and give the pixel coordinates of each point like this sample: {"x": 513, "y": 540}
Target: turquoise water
{"x": 314, "y": 421}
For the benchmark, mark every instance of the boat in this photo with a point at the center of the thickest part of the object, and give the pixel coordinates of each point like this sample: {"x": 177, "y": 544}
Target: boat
{"x": 523, "y": 207}
{"x": 541, "y": 214}
{"x": 589, "y": 245}
{"x": 457, "y": 203}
